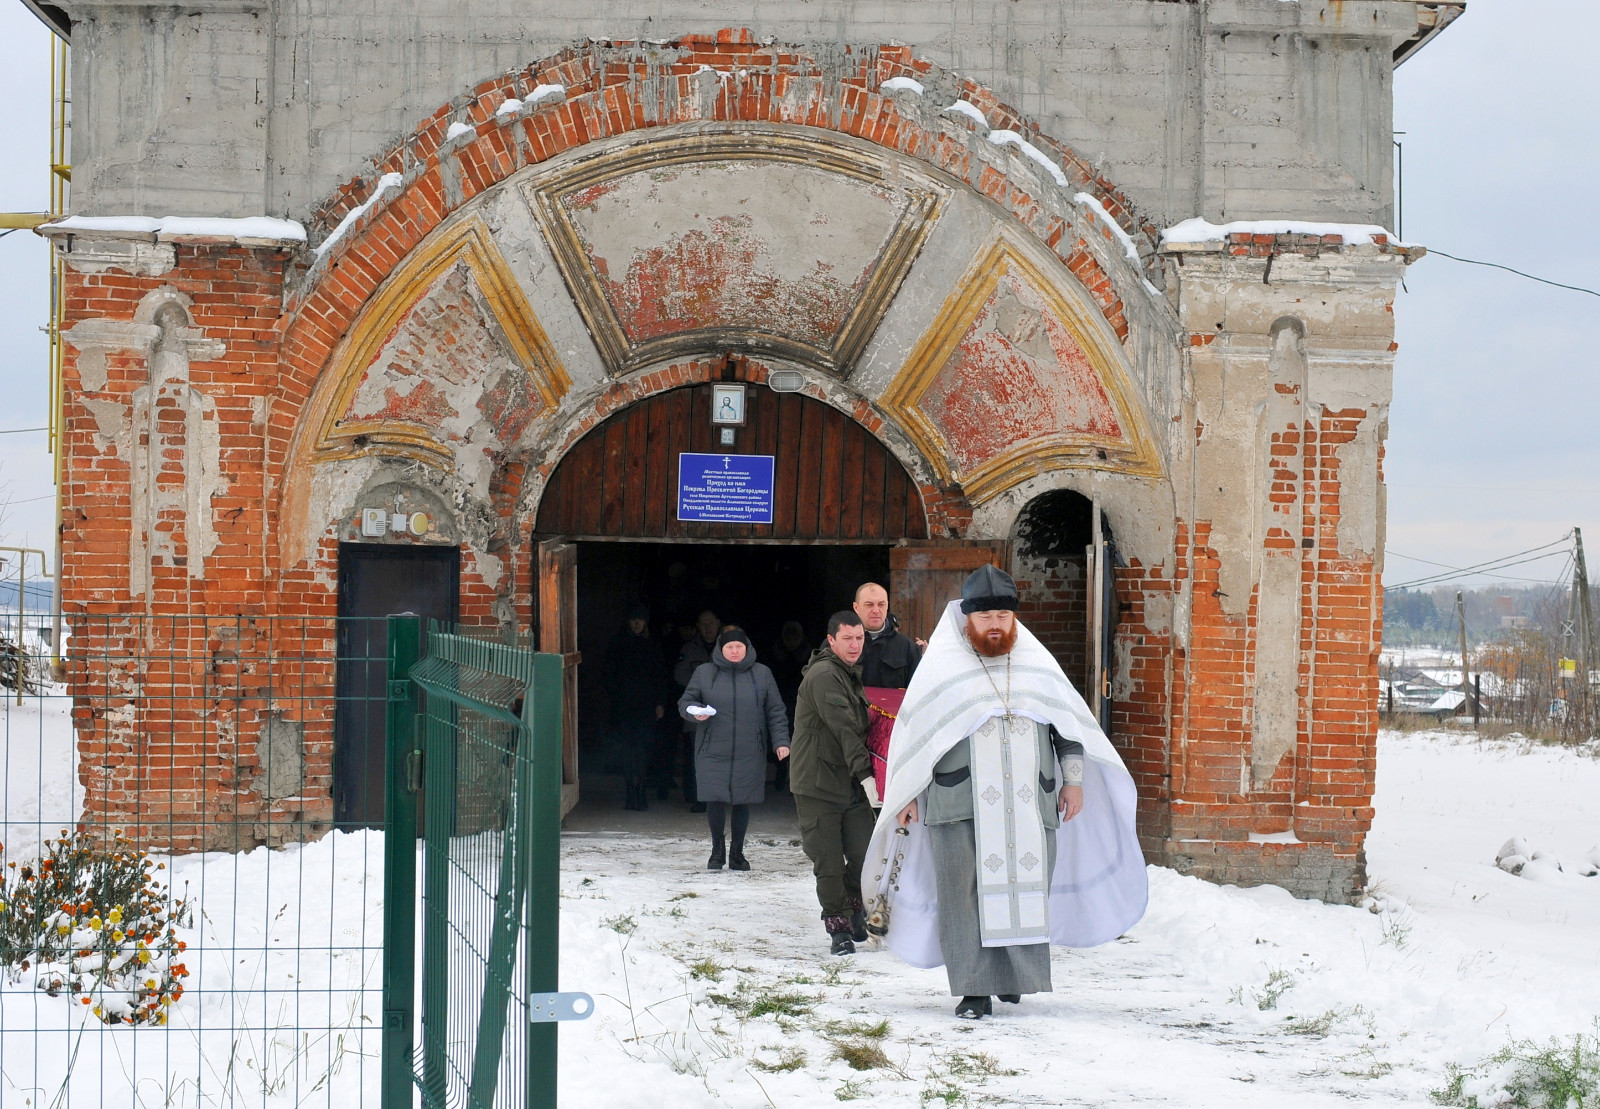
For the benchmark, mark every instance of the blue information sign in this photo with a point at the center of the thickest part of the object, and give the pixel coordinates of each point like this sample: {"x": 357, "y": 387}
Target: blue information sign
{"x": 725, "y": 488}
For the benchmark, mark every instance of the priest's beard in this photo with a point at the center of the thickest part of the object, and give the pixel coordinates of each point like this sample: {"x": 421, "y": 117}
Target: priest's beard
{"x": 992, "y": 644}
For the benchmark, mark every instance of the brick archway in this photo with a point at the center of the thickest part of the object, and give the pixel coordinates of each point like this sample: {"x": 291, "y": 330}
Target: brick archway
{"x": 834, "y": 480}
{"x": 384, "y": 237}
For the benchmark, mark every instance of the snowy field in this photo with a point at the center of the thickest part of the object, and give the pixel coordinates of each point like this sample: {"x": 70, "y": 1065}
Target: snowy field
{"x": 1219, "y": 997}
{"x": 714, "y": 988}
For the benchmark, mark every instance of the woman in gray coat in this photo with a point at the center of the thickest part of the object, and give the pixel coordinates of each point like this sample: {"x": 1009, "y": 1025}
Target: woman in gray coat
{"x": 730, "y": 742}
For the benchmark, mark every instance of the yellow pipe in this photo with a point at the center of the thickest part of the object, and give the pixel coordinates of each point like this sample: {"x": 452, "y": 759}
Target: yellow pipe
{"x": 22, "y": 221}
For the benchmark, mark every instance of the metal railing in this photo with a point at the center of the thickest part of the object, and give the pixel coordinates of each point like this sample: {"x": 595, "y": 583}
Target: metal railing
{"x": 201, "y": 906}
{"x": 223, "y": 929}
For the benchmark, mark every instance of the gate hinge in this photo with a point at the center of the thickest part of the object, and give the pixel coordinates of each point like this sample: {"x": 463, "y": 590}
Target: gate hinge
{"x": 394, "y": 1018}
{"x": 543, "y": 1008}
{"x": 400, "y": 689}
{"x": 414, "y": 771}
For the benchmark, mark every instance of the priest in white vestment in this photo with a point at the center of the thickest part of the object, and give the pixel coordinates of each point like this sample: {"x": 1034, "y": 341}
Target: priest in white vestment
{"x": 1008, "y": 819}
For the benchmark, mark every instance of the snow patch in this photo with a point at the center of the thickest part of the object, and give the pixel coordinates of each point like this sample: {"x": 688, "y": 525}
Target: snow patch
{"x": 968, "y": 109}
{"x": 509, "y": 107}
{"x": 385, "y": 183}
{"x": 1200, "y": 231}
{"x": 902, "y": 84}
{"x": 174, "y": 227}
{"x": 457, "y": 129}
{"x": 1033, "y": 153}
{"x": 1093, "y": 204}
{"x": 1274, "y": 837}
{"x": 546, "y": 92}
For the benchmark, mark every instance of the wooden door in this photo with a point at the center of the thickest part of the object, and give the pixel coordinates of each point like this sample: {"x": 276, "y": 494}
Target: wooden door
{"x": 558, "y": 635}
{"x": 1101, "y": 626}
{"x": 924, "y": 577}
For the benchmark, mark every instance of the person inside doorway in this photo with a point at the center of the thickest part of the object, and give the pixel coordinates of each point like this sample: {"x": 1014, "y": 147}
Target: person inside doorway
{"x": 635, "y": 680}
{"x": 890, "y": 657}
{"x": 738, "y": 717}
{"x": 1022, "y": 812}
{"x": 787, "y": 660}
{"x": 695, "y": 654}
{"x": 831, "y": 779}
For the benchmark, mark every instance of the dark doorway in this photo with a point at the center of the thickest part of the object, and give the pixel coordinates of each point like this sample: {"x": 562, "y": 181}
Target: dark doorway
{"x": 757, "y": 586}
{"x": 1068, "y": 595}
{"x": 376, "y": 582}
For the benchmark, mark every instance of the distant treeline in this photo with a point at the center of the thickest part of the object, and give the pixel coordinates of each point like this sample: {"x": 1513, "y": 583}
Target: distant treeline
{"x": 1416, "y": 617}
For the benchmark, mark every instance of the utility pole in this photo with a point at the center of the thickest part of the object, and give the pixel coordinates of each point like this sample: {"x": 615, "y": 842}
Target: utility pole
{"x": 1461, "y": 619}
{"x": 1584, "y": 621}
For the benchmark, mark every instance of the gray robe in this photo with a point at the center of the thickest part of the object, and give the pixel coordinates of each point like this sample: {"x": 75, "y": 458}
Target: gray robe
{"x": 730, "y": 749}
{"x": 975, "y": 970}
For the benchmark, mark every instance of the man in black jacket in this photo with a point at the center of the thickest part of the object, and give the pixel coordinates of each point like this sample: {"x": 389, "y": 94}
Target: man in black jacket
{"x": 889, "y": 658}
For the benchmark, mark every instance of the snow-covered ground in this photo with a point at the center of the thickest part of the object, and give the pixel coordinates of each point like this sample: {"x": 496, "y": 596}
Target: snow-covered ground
{"x": 715, "y": 987}
{"x": 1219, "y": 997}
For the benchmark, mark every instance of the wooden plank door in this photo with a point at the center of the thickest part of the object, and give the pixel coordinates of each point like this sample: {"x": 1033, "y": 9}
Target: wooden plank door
{"x": 926, "y": 576}
{"x": 558, "y": 635}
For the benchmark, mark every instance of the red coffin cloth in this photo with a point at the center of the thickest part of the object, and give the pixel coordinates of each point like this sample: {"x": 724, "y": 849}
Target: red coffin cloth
{"x": 883, "y": 705}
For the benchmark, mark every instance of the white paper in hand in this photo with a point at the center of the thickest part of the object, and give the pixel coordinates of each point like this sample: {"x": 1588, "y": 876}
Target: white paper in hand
{"x": 700, "y": 710}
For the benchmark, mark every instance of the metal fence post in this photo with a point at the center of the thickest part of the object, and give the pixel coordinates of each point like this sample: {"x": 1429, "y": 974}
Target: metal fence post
{"x": 400, "y": 866}
{"x": 543, "y": 716}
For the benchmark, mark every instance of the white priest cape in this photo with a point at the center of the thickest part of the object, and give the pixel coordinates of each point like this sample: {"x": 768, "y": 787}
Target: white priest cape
{"x": 1099, "y": 888}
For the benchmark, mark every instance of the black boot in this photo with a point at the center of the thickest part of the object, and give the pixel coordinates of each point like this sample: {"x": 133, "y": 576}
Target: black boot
{"x": 1011, "y": 998}
{"x": 974, "y": 1008}
{"x": 858, "y": 920}
{"x": 839, "y": 932}
{"x": 718, "y": 855}
{"x": 736, "y": 859}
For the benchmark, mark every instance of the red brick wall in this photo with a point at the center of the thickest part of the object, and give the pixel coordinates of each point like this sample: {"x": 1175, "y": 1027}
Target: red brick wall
{"x": 170, "y": 707}
{"x": 1053, "y": 592}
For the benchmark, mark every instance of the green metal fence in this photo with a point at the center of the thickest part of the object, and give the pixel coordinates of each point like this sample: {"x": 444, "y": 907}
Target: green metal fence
{"x": 224, "y": 920}
{"x": 484, "y": 757}
{"x": 198, "y": 752}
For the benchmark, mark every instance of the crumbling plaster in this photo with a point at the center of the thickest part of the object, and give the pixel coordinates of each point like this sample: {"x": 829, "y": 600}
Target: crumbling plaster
{"x": 1230, "y": 109}
{"x": 1343, "y": 301}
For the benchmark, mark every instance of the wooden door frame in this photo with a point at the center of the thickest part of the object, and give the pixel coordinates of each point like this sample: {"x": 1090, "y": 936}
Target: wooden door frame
{"x": 557, "y": 634}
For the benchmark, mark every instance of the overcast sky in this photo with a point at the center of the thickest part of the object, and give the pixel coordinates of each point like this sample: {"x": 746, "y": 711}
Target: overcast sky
{"x": 1494, "y": 436}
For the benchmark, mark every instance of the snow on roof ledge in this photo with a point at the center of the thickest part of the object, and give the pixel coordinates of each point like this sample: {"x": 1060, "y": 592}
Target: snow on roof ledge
{"x": 249, "y": 229}
{"x": 1196, "y": 231}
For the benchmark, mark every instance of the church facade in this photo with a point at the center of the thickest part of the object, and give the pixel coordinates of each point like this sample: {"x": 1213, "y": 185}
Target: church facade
{"x": 1100, "y": 290}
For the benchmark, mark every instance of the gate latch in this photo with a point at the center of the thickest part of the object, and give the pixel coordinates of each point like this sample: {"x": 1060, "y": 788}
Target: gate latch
{"x": 544, "y": 1008}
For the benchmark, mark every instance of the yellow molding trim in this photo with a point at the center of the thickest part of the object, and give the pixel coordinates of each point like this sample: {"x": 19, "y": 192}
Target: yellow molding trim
{"x": 470, "y": 243}
{"x": 1133, "y": 453}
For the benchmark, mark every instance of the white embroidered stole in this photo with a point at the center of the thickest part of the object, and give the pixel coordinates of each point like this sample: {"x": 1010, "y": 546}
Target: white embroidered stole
{"x": 1013, "y": 883}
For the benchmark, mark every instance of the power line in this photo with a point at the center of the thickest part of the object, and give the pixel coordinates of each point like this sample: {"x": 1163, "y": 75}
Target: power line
{"x": 20, "y": 430}
{"x": 1440, "y": 579}
{"x": 29, "y": 500}
{"x": 1519, "y": 273}
{"x": 1504, "y": 562}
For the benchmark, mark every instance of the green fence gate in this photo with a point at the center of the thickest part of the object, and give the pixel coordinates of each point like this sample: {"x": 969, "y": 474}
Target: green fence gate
{"x": 474, "y": 753}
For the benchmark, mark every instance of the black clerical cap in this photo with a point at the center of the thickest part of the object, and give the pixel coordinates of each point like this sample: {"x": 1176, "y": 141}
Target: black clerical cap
{"x": 988, "y": 588}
